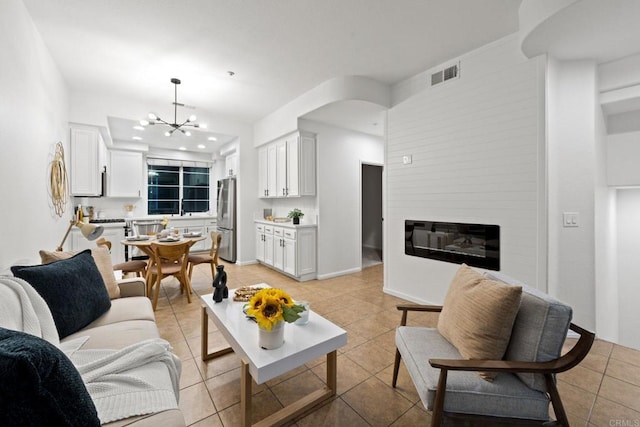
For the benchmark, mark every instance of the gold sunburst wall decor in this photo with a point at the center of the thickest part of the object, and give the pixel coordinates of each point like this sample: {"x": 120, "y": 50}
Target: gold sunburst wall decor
{"x": 58, "y": 182}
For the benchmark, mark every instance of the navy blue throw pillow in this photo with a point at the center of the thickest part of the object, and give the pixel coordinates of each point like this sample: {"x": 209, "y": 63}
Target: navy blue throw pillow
{"x": 39, "y": 386}
{"x": 72, "y": 288}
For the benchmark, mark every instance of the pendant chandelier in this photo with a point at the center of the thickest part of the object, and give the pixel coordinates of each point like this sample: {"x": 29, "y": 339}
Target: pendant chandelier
{"x": 175, "y": 126}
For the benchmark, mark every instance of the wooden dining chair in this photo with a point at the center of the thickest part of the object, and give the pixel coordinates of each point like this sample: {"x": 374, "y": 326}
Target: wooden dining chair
{"x": 137, "y": 267}
{"x": 169, "y": 259}
{"x": 211, "y": 257}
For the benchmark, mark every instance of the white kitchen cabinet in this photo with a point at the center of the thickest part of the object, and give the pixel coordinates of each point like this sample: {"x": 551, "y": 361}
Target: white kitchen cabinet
{"x": 267, "y": 171}
{"x": 292, "y": 249}
{"x": 284, "y": 250}
{"x": 281, "y": 169}
{"x": 125, "y": 174}
{"x": 231, "y": 165}
{"x": 85, "y": 165}
{"x": 115, "y": 234}
{"x": 209, "y": 226}
{"x": 264, "y": 244}
{"x": 287, "y": 167}
{"x": 191, "y": 225}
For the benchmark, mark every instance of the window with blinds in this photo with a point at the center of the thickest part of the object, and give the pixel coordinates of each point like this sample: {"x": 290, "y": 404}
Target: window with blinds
{"x": 177, "y": 189}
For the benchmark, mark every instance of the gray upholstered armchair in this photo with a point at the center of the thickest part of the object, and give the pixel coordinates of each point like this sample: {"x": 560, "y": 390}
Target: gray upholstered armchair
{"x": 449, "y": 384}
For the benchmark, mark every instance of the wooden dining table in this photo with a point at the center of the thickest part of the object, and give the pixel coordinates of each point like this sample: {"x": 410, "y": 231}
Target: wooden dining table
{"x": 144, "y": 245}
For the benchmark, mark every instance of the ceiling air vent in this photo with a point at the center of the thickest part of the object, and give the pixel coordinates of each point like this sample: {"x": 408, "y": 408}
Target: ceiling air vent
{"x": 444, "y": 75}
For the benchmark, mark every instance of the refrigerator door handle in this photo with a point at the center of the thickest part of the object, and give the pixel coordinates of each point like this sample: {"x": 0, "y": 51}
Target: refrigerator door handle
{"x": 220, "y": 200}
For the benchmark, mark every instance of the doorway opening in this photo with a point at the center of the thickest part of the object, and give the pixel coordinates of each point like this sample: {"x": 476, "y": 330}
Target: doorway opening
{"x": 371, "y": 215}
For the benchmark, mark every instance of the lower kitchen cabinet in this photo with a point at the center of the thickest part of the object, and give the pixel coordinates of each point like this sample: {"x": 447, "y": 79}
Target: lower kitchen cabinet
{"x": 264, "y": 244}
{"x": 194, "y": 225}
{"x": 288, "y": 249}
{"x": 114, "y": 234}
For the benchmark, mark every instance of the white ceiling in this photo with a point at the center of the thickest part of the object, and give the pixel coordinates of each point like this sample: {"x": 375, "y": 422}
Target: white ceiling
{"x": 278, "y": 49}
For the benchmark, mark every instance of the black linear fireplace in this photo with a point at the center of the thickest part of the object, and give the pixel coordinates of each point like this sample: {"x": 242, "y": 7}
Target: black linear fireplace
{"x": 477, "y": 245}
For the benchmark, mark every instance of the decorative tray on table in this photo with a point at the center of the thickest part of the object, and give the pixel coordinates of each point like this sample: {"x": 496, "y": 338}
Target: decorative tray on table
{"x": 169, "y": 239}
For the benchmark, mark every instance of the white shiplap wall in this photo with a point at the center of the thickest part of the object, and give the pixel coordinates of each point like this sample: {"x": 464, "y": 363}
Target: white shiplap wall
{"x": 477, "y": 145}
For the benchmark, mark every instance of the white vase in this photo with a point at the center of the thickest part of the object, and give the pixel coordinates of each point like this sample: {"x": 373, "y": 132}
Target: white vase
{"x": 272, "y": 339}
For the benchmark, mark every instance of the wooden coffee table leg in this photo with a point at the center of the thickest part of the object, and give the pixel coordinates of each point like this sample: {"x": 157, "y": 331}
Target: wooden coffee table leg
{"x": 204, "y": 340}
{"x": 245, "y": 394}
{"x": 332, "y": 371}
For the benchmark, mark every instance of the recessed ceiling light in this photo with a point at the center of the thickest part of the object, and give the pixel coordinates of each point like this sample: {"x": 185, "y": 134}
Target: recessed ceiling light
{"x": 182, "y": 148}
{"x": 138, "y": 127}
{"x": 212, "y": 138}
{"x": 201, "y": 146}
{"x": 137, "y": 138}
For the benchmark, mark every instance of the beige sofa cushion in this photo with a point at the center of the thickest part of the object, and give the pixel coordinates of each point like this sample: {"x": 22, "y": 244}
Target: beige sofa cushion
{"x": 102, "y": 258}
{"x": 128, "y": 321}
{"x": 478, "y": 314}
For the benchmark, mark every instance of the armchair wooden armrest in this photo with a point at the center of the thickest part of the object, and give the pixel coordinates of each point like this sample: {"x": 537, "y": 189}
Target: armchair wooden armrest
{"x": 561, "y": 364}
{"x": 405, "y": 308}
{"x": 548, "y": 369}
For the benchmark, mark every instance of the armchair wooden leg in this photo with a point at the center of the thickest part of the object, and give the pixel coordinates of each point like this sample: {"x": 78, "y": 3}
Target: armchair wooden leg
{"x": 438, "y": 403}
{"x": 558, "y": 409}
{"x": 396, "y": 368}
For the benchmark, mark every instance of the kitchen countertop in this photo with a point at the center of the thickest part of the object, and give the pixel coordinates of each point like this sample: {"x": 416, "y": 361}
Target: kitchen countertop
{"x": 289, "y": 224}
{"x": 172, "y": 218}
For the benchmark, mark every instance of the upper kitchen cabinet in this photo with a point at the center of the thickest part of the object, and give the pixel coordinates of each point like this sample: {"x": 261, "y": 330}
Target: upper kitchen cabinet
{"x": 86, "y": 161}
{"x": 287, "y": 167}
{"x": 125, "y": 174}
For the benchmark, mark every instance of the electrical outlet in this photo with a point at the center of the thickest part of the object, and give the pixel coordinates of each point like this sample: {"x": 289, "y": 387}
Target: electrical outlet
{"x": 406, "y": 160}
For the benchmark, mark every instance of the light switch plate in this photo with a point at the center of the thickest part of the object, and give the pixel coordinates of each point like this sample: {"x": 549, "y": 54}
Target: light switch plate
{"x": 406, "y": 160}
{"x": 570, "y": 219}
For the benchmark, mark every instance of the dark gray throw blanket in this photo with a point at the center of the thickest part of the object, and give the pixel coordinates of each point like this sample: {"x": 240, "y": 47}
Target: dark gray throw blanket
{"x": 39, "y": 386}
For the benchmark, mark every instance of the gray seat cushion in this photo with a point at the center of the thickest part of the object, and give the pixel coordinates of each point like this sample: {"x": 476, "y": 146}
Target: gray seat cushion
{"x": 539, "y": 331}
{"x": 506, "y": 396}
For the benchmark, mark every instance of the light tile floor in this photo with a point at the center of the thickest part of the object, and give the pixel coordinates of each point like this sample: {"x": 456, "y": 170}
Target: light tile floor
{"x": 604, "y": 390}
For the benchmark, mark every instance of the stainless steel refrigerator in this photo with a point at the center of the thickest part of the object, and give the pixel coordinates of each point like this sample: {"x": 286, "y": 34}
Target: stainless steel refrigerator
{"x": 226, "y": 223}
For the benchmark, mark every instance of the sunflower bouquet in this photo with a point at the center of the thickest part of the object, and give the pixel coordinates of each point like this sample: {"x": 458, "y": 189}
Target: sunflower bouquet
{"x": 271, "y": 306}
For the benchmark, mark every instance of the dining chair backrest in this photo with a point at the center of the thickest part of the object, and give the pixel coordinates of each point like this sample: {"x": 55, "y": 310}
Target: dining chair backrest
{"x": 104, "y": 242}
{"x": 216, "y": 239}
{"x": 171, "y": 252}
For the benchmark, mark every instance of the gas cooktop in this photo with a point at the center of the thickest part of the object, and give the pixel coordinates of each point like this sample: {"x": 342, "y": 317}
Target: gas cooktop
{"x": 106, "y": 220}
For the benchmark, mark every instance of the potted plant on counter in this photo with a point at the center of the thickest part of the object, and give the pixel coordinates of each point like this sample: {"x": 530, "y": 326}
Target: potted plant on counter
{"x": 295, "y": 214}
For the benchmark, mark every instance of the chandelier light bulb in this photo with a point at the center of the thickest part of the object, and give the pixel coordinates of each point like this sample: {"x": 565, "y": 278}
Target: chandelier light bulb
{"x": 144, "y": 122}
{"x": 203, "y": 125}
{"x": 167, "y": 133}
{"x": 192, "y": 118}
{"x": 187, "y": 133}
{"x": 152, "y": 116}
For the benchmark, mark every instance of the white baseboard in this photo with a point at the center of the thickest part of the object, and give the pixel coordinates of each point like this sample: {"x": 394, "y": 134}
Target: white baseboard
{"x": 407, "y": 297}
{"x": 241, "y": 263}
{"x": 339, "y": 273}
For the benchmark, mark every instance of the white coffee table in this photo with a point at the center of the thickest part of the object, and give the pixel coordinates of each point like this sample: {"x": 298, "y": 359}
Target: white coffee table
{"x": 302, "y": 343}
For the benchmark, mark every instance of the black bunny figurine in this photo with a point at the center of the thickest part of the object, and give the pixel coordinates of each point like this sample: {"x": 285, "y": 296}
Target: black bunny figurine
{"x": 220, "y": 284}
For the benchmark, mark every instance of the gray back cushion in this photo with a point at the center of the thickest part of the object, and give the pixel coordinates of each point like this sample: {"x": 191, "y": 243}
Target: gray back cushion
{"x": 539, "y": 331}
